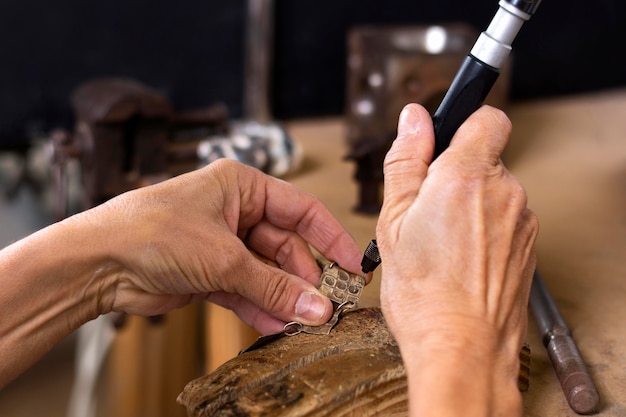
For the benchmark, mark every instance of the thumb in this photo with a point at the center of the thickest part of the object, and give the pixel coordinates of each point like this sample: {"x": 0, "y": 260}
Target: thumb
{"x": 406, "y": 163}
{"x": 283, "y": 295}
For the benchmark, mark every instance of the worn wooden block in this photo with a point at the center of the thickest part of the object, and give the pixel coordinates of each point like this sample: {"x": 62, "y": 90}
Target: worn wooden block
{"x": 355, "y": 370}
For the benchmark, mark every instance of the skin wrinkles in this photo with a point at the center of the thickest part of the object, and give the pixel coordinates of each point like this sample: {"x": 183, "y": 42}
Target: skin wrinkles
{"x": 456, "y": 242}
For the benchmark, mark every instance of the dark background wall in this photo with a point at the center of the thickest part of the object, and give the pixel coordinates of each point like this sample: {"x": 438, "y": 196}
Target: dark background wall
{"x": 192, "y": 51}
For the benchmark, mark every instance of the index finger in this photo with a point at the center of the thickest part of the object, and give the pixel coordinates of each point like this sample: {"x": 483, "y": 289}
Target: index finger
{"x": 262, "y": 197}
{"x": 484, "y": 134}
{"x": 290, "y": 208}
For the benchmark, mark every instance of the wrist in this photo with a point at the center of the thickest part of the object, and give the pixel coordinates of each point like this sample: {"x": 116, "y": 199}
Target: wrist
{"x": 53, "y": 282}
{"x": 91, "y": 266}
{"x": 460, "y": 373}
{"x": 460, "y": 383}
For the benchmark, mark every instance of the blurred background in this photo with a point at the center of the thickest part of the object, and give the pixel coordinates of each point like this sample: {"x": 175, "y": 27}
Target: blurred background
{"x": 193, "y": 51}
{"x": 194, "y": 54}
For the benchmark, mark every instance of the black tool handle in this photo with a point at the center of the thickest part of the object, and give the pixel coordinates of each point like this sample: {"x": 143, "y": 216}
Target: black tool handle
{"x": 466, "y": 94}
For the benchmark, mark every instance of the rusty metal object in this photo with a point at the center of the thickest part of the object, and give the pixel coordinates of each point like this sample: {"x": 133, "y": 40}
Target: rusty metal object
{"x": 128, "y": 135}
{"x": 115, "y": 100}
{"x": 355, "y": 370}
{"x": 578, "y": 386}
{"x": 120, "y": 136}
{"x": 389, "y": 67}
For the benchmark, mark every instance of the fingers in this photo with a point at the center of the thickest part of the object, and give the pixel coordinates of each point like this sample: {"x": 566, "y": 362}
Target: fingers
{"x": 278, "y": 221}
{"x": 248, "y": 312}
{"x": 465, "y": 205}
{"x": 483, "y": 136}
{"x": 311, "y": 220}
{"x": 265, "y": 198}
{"x": 251, "y": 197}
{"x": 275, "y": 291}
{"x": 288, "y": 249}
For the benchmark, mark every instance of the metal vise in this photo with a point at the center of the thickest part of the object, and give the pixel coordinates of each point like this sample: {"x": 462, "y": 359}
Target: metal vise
{"x": 389, "y": 67}
{"x": 127, "y": 135}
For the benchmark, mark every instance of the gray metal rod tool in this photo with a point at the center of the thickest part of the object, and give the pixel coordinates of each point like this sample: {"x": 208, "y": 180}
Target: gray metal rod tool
{"x": 580, "y": 391}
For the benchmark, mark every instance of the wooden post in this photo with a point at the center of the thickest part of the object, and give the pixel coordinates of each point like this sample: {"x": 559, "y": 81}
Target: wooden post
{"x": 227, "y": 335}
{"x": 151, "y": 363}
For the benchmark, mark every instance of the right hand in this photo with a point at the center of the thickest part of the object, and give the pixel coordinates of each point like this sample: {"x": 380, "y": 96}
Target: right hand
{"x": 456, "y": 240}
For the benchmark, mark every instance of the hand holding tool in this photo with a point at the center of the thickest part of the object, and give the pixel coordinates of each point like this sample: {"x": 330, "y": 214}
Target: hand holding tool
{"x": 480, "y": 69}
{"x": 472, "y": 83}
{"x": 468, "y": 90}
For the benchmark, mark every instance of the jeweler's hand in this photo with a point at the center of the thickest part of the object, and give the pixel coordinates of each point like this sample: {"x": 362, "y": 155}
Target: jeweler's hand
{"x": 456, "y": 240}
{"x": 227, "y": 233}
{"x": 215, "y": 233}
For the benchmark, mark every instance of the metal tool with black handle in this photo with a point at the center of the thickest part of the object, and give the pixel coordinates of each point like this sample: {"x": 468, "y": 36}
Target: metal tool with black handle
{"x": 480, "y": 69}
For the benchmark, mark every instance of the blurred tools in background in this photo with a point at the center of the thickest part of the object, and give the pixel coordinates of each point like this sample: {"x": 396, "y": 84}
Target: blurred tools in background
{"x": 389, "y": 67}
{"x": 127, "y": 135}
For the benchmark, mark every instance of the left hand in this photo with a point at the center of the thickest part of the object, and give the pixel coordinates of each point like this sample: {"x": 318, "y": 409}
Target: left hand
{"x": 203, "y": 234}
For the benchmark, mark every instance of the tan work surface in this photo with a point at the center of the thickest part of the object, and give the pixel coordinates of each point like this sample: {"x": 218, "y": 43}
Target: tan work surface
{"x": 570, "y": 154}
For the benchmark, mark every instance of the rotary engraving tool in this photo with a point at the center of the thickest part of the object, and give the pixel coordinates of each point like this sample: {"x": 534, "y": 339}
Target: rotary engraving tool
{"x": 480, "y": 69}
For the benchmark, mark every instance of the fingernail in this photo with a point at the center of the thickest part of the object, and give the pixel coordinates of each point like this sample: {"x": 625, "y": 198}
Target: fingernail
{"x": 408, "y": 121}
{"x": 311, "y": 306}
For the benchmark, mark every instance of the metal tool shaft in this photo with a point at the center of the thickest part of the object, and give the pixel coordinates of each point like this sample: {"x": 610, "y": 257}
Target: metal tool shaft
{"x": 259, "y": 53}
{"x": 578, "y": 386}
{"x": 480, "y": 69}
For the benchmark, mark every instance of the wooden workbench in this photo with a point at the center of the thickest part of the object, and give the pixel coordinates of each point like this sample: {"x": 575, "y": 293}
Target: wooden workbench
{"x": 570, "y": 153}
